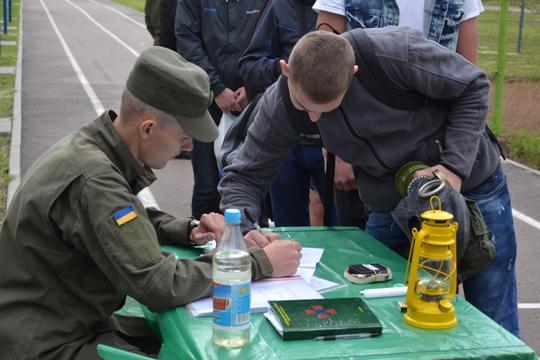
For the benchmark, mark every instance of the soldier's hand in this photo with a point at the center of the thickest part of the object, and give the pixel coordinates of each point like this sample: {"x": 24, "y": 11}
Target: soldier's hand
{"x": 451, "y": 178}
{"x": 256, "y": 238}
{"x": 284, "y": 255}
{"x": 226, "y": 101}
{"x": 211, "y": 227}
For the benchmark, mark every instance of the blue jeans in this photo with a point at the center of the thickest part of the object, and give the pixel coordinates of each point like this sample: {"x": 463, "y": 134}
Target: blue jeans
{"x": 289, "y": 193}
{"x": 205, "y": 196}
{"x": 492, "y": 290}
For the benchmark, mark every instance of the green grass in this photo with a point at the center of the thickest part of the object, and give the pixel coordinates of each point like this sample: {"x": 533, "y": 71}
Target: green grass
{"x": 7, "y": 88}
{"x": 523, "y": 147}
{"x": 4, "y": 174}
{"x": 135, "y": 4}
{"x": 519, "y": 67}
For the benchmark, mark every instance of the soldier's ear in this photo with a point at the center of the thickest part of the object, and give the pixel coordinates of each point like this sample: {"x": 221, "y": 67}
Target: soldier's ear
{"x": 146, "y": 127}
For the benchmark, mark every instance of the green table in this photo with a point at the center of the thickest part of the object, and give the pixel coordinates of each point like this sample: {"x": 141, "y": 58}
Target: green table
{"x": 476, "y": 336}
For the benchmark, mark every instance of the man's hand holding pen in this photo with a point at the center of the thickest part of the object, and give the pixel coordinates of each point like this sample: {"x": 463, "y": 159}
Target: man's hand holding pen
{"x": 259, "y": 238}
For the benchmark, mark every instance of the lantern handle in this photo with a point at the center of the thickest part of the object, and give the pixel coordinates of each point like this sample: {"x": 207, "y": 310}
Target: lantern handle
{"x": 431, "y": 199}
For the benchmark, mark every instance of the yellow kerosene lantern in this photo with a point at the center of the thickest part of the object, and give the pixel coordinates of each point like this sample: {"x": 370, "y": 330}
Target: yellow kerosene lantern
{"x": 432, "y": 268}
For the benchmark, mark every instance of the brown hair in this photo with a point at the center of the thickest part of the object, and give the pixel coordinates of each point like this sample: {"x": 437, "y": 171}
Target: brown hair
{"x": 321, "y": 66}
{"x": 133, "y": 109}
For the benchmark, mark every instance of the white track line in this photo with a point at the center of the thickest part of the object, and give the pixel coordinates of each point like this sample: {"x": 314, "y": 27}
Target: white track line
{"x": 119, "y": 13}
{"x": 526, "y": 219}
{"x": 146, "y": 196}
{"x": 529, "y": 306}
{"x": 128, "y": 48}
{"x": 96, "y": 103}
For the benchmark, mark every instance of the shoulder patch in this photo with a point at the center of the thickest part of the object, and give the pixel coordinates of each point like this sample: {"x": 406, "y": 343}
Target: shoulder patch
{"x": 125, "y": 215}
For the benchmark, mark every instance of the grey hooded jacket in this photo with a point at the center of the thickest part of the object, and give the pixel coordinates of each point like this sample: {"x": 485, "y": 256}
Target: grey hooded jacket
{"x": 375, "y": 138}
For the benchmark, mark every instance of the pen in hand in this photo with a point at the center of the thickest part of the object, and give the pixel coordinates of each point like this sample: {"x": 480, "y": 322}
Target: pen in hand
{"x": 252, "y": 220}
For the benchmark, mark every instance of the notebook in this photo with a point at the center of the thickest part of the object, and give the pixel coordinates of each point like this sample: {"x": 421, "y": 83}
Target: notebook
{"x": 323, "y": 319}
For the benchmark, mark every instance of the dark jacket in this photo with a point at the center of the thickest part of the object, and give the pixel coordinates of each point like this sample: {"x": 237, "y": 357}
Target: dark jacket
{"x": 213, "y": 34}
{"x": 68, "y": 260}
{"x": 167, "y": 14}
{"x": 277, "y": 31}
{"x": 375, "y": 137}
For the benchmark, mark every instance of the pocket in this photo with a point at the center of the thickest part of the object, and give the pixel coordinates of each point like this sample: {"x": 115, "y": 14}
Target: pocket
{"x": 489, "y": 188}
{"x": 480, "y": 250}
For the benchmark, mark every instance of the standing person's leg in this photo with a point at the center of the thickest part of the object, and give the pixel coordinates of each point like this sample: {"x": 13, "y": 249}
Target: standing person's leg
{"x": 350, "y": 209}
{"x": 289, "y": 193}
{"x": 493, "y": 290}
{"x": 205, "y": 196}
{"x": 383, "y": 228}
{"x": 314, "y": 162}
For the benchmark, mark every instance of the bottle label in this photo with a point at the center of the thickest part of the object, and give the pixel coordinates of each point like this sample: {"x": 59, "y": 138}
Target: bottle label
{"x": 231, "y": 304}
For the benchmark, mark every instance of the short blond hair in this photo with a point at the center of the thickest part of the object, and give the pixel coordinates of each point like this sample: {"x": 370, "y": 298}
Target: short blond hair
{"x": 321, "y": 66}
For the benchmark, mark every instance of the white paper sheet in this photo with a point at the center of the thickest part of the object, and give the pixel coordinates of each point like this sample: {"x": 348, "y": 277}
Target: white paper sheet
{"x": 322, "y": 285}
{"x": 290, "y": 288}
{"x": 310, "y": 257}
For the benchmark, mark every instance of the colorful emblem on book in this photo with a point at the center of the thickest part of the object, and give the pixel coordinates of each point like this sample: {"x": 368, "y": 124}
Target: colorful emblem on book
{"x": 320, "y": 311}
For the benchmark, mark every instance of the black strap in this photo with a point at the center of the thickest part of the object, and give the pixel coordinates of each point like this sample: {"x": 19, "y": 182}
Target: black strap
{"x": 328, "y": 202}
{"x": 307, "y": 129}
{"x": 377, "y": 82}
{"x": 329, "y": 26}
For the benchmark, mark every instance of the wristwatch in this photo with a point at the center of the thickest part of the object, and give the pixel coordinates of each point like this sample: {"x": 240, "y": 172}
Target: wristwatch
{"x": 191, "y": 225}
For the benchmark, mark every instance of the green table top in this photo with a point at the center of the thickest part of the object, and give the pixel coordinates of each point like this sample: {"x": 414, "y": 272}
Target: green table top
{"x": 475, "y": 336}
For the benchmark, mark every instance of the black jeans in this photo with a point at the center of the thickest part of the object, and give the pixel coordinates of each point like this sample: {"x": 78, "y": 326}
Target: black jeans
{"x": 205, "y": 196}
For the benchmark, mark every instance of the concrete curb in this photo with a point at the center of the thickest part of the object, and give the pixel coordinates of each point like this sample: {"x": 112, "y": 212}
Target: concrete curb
{"x": 521, "y": 166}
{"x": 15, "y": 146}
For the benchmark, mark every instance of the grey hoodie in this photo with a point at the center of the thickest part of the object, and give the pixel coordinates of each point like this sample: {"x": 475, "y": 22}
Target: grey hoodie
{"x": 375, "y": 138}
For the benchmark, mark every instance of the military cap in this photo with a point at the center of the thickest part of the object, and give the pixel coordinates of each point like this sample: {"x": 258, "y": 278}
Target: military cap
{"x": 165, "y": 80}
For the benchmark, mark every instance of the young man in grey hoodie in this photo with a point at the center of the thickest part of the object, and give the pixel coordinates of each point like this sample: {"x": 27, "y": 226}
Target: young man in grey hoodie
{"x": 378, "y": 138}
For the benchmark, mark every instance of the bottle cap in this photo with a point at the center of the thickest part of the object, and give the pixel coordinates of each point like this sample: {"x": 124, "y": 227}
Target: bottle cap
{"x": 232, "y": 216}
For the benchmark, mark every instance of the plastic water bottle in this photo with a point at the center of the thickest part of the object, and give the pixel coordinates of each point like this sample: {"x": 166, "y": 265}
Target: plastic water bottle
{"x": 232, "y": 285}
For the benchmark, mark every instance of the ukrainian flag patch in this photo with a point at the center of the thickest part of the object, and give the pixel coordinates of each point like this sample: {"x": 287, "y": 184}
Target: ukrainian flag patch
{"x": 125, "y": 215}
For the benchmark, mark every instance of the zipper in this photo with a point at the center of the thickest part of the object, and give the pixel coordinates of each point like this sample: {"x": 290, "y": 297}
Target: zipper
{"x": 439, "y": 145}
{"x": 369, "y": 145}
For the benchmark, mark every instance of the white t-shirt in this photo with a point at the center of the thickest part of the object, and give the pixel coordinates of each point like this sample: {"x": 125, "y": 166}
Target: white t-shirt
{"x": 410, "y": 13}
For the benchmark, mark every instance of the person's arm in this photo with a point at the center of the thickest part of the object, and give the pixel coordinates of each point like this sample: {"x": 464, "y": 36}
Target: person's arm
{"x": 189, "y": 40}
{"x": 336, "y": 21}
{"x": 440, "y": 74}
{"x": 110, "y": 226}
{"x": 467, "y": 44}
{"x": 176, "y": 231}
{"x": 259, "y": 65}
{"x": 270, "y": 138}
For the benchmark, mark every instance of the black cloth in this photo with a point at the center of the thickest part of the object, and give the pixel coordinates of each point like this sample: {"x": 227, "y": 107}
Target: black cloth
{"x": 167, "y": 37}
{"x": 212, "y": 34}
